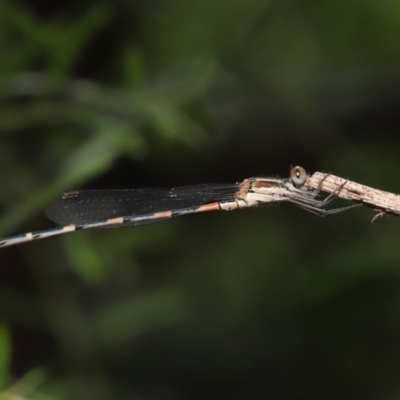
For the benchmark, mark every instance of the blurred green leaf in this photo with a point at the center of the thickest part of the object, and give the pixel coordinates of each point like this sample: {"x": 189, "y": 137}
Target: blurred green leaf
{"x": 139, "y": 315}
{"x": 61, "y": 43}
{"x": 133, "y": 67}
{"x": 5, "y": 355}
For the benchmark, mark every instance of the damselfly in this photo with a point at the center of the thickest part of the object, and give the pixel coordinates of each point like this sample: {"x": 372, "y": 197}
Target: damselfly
{"x": 84, "y": 209}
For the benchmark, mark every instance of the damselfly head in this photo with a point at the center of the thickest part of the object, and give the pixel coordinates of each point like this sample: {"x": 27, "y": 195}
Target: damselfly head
{"x": 298, "y": 176}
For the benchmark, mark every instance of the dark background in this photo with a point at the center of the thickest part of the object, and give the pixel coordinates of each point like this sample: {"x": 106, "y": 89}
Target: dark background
{"x": 269, "y": 303}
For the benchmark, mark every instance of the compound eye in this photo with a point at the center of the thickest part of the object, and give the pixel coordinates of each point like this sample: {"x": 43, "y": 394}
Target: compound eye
{"x": 298, "y": 175}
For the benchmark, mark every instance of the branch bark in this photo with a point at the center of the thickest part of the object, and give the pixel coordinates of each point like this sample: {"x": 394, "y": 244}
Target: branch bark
{"x": 381, "y": 201}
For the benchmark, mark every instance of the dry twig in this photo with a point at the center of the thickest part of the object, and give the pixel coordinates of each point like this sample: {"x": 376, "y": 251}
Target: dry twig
{"x": 383, "y": 202}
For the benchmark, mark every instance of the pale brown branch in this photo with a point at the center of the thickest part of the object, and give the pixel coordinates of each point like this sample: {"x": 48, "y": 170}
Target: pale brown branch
{"x": 384, "y": 202}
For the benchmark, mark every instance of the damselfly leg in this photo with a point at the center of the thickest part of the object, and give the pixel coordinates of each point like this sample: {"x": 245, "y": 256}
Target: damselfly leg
{"x": 306, "y": 199}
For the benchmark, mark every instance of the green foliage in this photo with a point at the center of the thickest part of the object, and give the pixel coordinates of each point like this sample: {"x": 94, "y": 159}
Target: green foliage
{"x": 5, "y": 355}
